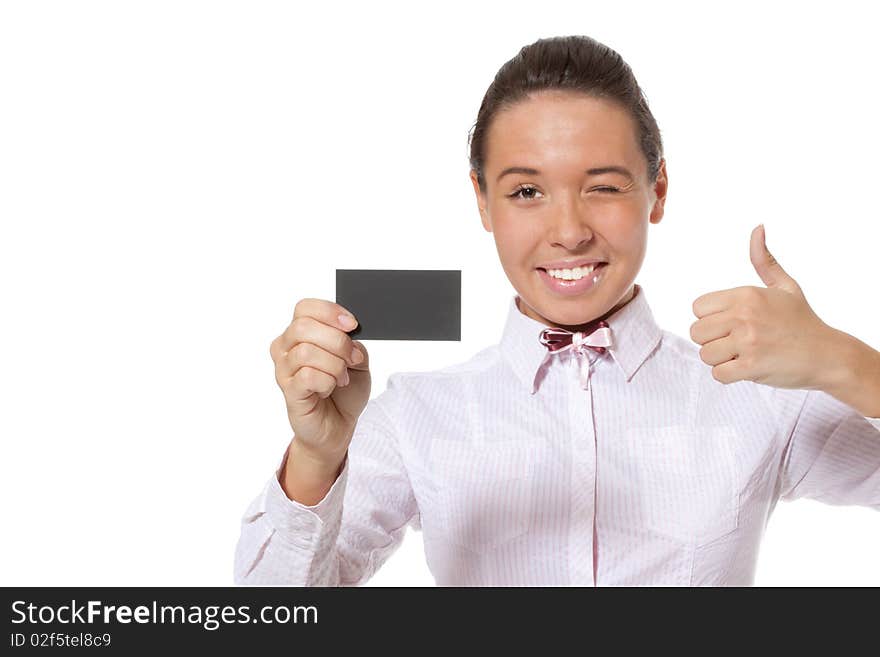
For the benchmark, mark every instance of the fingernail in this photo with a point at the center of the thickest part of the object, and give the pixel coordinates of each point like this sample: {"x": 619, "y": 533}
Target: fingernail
{"x": 356, "y": 356}
{"x": 347, "y": 379}
{"x": 346, "y": 321}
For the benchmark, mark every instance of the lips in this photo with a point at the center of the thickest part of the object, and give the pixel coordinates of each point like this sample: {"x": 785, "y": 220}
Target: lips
{"x": 598, "y": 264}
{"x": 569, "y": 288}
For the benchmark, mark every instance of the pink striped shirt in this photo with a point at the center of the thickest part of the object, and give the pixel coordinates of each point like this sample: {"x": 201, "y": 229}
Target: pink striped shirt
{"x": 655, "y": 475}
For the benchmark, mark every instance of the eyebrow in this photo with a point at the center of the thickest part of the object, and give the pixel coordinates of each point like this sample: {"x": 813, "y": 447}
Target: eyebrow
{"x": 591, "y": 172}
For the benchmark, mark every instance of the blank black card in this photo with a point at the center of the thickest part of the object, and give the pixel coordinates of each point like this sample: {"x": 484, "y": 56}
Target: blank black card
{"x": 402, "y": 304}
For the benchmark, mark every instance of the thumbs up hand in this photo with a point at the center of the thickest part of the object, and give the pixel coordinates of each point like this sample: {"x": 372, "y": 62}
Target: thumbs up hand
{"x": 768, "y": 335}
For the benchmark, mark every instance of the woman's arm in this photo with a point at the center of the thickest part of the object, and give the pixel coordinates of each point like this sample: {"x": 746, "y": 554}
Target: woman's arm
{"x": 851, "y": 374}
{"x": 343, "y": 538}
{"x": 832, "y": 454}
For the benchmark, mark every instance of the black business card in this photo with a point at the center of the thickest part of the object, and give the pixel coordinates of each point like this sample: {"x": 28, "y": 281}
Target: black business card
{"x": 402, "y": 304}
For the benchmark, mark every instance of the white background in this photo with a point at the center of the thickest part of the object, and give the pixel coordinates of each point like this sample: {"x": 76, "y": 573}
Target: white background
{"x": 174, "y": 176}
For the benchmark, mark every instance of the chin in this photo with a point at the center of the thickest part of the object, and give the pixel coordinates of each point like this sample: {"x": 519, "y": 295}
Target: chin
{"x": 579, "y": 315}
{"x": 576, "y": 321}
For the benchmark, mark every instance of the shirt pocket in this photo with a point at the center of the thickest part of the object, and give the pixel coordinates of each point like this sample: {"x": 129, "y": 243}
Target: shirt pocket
{"x": 685, "y": 484}
{"x": 484, "y": 492}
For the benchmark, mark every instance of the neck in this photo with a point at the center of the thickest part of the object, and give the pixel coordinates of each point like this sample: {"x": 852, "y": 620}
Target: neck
{"x": 588, "y": 326}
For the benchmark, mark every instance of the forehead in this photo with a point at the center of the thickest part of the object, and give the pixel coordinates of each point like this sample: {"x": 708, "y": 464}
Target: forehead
{"x": 562, "y": 130}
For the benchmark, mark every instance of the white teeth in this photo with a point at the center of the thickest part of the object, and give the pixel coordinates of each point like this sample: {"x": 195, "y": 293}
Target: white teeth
{"x": 572, "y": 274}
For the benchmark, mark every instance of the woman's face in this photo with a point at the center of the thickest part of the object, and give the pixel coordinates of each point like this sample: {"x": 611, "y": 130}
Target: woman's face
{"x": 561, "y": 211}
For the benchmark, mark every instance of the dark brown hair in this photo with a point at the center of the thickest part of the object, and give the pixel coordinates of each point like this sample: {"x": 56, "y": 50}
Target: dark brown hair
{"x": 569, "y": 63}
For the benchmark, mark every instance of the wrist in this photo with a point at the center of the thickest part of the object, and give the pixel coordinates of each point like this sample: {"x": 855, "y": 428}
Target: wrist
{"x": 852, "y": 373}
{"x": 305, "y": 477}
{"x": 841, "y": 363}
{"x": 319, "y": 464}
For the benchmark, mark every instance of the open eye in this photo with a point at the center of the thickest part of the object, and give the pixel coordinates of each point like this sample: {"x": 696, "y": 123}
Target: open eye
{"x": 523, "y": 188}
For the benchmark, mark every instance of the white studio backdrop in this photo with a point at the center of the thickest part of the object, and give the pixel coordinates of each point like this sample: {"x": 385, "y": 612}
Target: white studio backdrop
{"x": 174, "y": 176}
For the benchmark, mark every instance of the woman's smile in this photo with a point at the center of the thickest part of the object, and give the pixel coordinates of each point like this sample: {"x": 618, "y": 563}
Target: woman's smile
{"x": 557, "y": 284}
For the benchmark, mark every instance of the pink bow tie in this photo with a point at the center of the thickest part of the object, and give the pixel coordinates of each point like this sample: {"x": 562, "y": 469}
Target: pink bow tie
{"x": 558, "y": 340}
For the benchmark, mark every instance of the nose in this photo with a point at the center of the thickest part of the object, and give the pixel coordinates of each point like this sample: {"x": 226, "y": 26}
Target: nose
{"x": 570, "y": 227}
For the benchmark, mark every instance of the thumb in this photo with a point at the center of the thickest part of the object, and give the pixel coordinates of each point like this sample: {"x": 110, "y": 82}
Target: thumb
{"x": 770, "y": 271}
{"x": 364, "y": 365}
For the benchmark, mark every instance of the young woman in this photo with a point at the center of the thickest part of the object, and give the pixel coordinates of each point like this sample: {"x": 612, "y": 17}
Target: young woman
{"x": 588, "y": 446}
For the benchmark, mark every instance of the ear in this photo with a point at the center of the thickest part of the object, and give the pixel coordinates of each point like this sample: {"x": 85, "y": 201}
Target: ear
{"x": 660, "y": 189}
{"x": 481, "y": 203}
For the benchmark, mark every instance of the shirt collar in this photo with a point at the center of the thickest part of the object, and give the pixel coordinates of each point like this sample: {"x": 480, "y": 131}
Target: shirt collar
{"x": 634, "y": 332}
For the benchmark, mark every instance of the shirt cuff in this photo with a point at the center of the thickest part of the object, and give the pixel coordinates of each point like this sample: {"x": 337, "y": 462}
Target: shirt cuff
{"x": 293, "y": 518}
{"x": 873, "y": 420}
